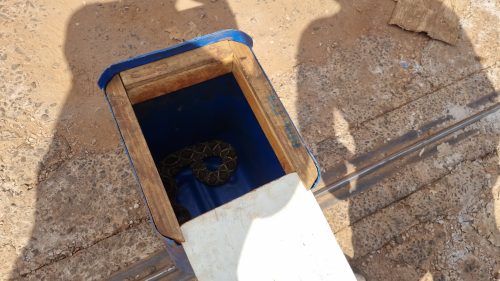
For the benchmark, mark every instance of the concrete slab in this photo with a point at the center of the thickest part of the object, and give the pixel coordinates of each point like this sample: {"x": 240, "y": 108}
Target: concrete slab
{"x": 448, "y": 230}
{"x": 105, "y": 257}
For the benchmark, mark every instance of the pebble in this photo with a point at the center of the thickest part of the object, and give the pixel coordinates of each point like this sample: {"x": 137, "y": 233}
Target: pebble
{"x": 404, "y": 64}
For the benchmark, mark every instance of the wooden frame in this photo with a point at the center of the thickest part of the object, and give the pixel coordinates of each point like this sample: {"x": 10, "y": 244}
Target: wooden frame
{"x": 167, "y": 75}
{"x": 272, "y": 116}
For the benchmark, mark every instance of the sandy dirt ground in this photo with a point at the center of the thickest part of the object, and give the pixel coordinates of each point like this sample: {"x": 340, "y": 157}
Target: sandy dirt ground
{"x": 356, "y": 87}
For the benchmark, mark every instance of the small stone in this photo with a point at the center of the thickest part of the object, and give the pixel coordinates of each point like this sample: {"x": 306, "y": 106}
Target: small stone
{"x": 136, "y": 206}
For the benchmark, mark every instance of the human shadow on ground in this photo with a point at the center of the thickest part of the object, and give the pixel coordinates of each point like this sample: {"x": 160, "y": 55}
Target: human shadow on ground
{"x": 86, "y": 190}
{"x": 367, "y": 89}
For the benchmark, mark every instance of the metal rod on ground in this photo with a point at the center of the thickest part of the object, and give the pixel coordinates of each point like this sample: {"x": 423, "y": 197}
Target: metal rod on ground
{"x": 170, "y": 274}
{"x": 409, "y": 149}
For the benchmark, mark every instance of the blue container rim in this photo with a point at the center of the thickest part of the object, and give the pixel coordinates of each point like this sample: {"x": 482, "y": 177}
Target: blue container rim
{"x": 228, "y": 34}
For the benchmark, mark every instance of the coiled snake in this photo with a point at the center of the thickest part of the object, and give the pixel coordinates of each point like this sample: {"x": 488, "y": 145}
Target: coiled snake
{"x": 194, "y": 156}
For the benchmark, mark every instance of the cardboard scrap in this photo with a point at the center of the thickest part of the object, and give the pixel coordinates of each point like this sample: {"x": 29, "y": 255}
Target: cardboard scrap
{"x": 437, "y": 18}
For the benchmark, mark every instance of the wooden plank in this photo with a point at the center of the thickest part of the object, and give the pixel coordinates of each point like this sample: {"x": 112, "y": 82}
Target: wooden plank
{"x": 145, "y": 168}
{"x": 271, "y": 114}
{"x": 262, "y": 118}
{"x": 171, "y": 74}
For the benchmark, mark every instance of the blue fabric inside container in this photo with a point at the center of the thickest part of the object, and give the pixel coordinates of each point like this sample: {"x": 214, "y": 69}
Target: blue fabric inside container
{"x": 214, "y": 109}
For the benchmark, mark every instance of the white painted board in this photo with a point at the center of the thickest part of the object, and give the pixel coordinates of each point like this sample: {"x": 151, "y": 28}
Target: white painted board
{"x": 276, "y": 232}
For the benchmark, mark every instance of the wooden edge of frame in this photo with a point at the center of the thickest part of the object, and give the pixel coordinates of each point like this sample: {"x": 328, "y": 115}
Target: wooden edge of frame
{"x": 156, "y": 197}
{"x": 276, "y": 123}
{"x": 174, "y": 73}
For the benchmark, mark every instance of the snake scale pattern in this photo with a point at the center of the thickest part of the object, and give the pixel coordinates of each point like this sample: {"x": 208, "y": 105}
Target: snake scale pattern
{"x": 194, "y": 156}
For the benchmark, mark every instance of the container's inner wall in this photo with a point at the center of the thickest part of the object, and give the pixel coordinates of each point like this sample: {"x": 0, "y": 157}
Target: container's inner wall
{"x": 213, "y": 110}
